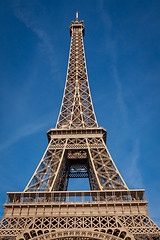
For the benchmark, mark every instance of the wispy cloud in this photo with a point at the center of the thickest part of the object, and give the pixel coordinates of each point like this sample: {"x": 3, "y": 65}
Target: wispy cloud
{"x": 134, "y": 175}
{"x": 111, "y": 49}
{"x": 25, "y": 12}
{"x": 120, "y": 98}
{"x": 25, "y": 131}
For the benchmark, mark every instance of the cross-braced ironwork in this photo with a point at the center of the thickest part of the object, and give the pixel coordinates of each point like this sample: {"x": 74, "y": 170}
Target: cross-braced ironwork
{"x": 77, "y": 109}
{"x": 87, "y": 155}
{"x": 77, "y": 149}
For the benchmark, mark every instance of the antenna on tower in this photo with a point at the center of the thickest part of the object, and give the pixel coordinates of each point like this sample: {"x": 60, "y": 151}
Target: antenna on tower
{"x": 76, "y": 16}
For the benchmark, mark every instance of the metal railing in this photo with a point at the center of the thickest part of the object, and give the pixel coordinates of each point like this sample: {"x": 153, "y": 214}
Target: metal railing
{"x": 107, "y": 196}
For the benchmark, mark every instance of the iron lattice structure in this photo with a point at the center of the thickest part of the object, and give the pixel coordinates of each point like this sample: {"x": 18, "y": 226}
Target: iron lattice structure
{"x": 77, "y": 149}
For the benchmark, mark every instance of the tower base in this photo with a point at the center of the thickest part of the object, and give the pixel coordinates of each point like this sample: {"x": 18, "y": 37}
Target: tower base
{"x": 77, "y": 215}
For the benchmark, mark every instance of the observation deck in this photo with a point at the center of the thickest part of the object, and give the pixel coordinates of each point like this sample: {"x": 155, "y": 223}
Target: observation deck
{"x": 76, "y": 202}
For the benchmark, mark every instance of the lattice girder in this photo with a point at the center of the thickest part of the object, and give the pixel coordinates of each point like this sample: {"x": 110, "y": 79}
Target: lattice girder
{"x": 77, "y": 108}
{"x": 54, "y": 169}
{"x": 108, "y": 226}
{"x": 114, "y": 227}
{"x": 48, "y": 167}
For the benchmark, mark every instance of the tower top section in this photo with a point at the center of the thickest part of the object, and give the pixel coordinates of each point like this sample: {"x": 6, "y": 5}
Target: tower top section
{"x": 77, "y": 108}
{"x": 77, "y": 25}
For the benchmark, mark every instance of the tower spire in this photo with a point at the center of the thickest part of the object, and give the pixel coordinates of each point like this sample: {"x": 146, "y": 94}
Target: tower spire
{"x": 76, "y": 16}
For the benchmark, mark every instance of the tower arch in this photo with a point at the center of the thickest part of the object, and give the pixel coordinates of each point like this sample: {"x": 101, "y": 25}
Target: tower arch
{"x": 76, "y": 234}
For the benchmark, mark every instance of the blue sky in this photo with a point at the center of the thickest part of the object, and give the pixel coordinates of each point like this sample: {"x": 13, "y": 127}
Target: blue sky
{"x": 123, "y": 62}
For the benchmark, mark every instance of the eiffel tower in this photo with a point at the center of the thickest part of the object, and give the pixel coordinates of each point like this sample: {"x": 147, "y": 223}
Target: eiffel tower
{"x": 77, "y": 149}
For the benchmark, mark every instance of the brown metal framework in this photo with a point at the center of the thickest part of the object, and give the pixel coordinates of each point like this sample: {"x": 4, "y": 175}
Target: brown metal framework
{"x": 77, "y": 149}
{"x": 76, "y": 155}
